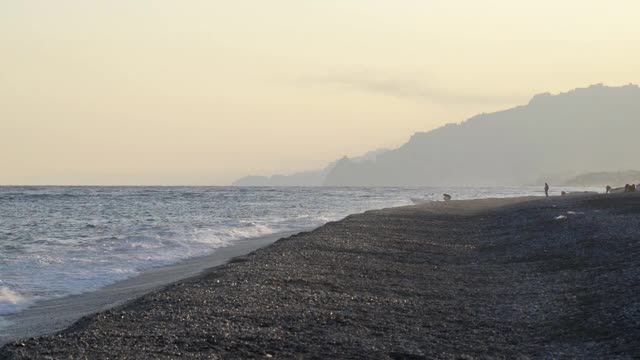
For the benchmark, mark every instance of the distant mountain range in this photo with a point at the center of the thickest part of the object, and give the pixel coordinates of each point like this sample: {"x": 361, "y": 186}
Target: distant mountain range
{"x": 586, "y": 129}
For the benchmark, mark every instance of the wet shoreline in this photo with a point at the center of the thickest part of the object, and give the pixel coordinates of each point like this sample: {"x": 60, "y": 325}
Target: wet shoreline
{"x": 49, "y": 316}
{"x": 499, "y": 278}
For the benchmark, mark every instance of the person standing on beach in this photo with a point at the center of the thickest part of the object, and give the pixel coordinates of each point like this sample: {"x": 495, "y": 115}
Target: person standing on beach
{"x": 546, "y": 189}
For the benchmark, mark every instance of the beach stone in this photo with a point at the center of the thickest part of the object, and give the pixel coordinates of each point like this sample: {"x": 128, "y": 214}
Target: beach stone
{"x": 480, "y": 279}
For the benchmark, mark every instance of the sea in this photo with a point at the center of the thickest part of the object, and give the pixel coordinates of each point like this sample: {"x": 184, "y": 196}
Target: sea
{"x": 61, "y": 241}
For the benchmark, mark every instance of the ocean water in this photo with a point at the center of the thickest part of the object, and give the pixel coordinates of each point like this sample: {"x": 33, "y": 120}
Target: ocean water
{"x": 60, "y": 241}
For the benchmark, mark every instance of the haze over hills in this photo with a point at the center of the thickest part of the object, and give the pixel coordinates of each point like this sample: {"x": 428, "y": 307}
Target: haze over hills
{"x": 583, "y": 130}
{"x": 615, "y": 179}
{"x": 552, "y": 137}
{"x": 304, "y": 178}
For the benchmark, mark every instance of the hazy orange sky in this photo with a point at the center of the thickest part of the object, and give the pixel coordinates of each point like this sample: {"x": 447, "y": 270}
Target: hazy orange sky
{"x": 202, "y": 92}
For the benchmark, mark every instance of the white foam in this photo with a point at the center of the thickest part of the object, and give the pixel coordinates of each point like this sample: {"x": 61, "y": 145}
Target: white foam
{"x": 224, "y": 236}
{"x": 12, "y": 302}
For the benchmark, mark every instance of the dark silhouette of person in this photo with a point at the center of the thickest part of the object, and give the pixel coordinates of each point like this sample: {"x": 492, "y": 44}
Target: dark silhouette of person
{"x": 546, "y": 189}
{"x": 627, "y": 188}
{"x": 608, "y": 189}
{"x": 632, "y": 188}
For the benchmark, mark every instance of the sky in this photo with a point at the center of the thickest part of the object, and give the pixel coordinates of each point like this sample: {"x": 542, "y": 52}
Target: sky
{"x": 201, "y": 92}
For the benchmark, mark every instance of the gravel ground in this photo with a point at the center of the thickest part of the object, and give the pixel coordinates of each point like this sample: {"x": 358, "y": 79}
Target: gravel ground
{"x": 507, "y": 279}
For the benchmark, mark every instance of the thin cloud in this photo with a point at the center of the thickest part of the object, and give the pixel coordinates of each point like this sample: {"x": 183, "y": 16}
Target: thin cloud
{"x": 409, "y": 89}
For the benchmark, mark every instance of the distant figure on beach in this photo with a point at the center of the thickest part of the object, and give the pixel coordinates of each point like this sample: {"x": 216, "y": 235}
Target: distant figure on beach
{"x": 546, "y": 189}
{"x": 446, "y": 197}
{"x": 608, "y": 189}
{"x": 627, "y": 188}
{"x": 563, "y": 193}
{"x": 632, "y": 188}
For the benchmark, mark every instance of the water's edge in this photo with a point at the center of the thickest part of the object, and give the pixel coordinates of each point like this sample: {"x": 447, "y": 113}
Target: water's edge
{"x": 53, "y": 315}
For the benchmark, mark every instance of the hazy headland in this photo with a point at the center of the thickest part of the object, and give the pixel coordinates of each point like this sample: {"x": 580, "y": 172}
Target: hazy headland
{"x": 556, "y": 137}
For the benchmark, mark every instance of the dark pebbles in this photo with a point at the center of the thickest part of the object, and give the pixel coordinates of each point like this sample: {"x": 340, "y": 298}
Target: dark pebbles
{"x": 482, "y": 279}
